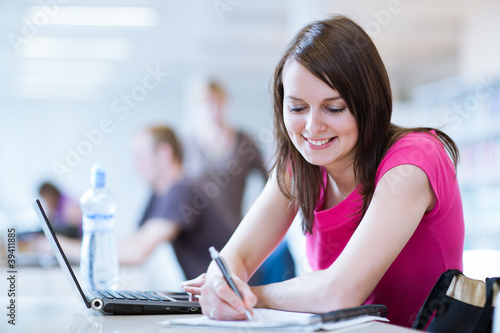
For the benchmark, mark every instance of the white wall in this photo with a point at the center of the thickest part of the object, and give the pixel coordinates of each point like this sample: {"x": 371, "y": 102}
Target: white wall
{"x": 38, "y": 133}
{"x": 479, "y": 44}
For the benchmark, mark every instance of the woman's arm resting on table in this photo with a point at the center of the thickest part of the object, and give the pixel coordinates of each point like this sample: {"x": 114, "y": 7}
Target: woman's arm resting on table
{"x": 400, "y": 200}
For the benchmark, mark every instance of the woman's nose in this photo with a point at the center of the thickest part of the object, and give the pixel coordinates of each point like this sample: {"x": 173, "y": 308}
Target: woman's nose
{"x": 315, "y": 122}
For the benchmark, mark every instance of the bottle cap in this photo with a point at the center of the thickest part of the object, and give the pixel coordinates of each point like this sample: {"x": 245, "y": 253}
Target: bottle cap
{"x": 98, "y": 176}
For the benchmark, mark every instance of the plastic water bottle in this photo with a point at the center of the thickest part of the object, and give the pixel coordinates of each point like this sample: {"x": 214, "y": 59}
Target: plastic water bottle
{"x": 98, "y": 258}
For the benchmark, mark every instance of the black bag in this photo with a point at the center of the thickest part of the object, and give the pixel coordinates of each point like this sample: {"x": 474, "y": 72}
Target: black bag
{"x": 460, "y": 304}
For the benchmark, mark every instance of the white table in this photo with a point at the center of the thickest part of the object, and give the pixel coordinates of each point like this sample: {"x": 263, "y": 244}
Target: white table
{"x": 46, "y": 302}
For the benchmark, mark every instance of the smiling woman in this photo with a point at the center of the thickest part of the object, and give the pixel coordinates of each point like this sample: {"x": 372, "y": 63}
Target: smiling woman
{"x": 340, "y": 64}
{"x": 380, "y": 204}
{"x": 317, "y": 119}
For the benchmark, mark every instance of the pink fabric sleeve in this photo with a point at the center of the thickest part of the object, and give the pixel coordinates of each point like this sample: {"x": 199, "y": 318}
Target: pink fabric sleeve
{"x": 426, "y": 152}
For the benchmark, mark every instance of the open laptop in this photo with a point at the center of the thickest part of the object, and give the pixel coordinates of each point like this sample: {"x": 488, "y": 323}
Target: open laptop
{"x": 118, "y": 301}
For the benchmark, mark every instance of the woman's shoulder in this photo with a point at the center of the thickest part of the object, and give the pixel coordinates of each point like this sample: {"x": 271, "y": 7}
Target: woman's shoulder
{"x": 418, "y": 138}
{"x": 421, "y": 144}
{"x": 422, "y": 149}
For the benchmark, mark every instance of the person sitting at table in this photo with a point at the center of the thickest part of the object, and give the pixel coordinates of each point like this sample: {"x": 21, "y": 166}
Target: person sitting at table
{"x": 65, "y": 216}
{"x": 63, "y": 212}
{"x": 180, "y": 210}
{"x": 380, "y": 203}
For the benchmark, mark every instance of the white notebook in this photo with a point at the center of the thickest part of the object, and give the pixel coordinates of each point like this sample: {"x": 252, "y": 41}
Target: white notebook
{"x": 274, "y": 319}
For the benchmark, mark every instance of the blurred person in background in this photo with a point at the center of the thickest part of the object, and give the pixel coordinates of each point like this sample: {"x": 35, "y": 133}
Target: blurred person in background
{"x": 65, "y": 216}
{"x": 180, "y": 210}
{"x": 228, "y": 156}
{"x": 63, "y": 212}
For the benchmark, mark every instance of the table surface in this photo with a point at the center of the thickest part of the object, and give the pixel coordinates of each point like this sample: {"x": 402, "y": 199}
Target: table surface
{"x": 46, "y": 302}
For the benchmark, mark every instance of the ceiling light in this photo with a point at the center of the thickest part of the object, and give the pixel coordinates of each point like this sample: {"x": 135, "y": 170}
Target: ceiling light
{"x": 93, "y": 16}
{"x": 37, "y": 70}
{"x": 61, "y": 90}
{"x": 76, "y": 48}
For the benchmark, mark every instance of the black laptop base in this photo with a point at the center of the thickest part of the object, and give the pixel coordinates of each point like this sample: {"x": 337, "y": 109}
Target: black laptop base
{"x": 121, "y": 302}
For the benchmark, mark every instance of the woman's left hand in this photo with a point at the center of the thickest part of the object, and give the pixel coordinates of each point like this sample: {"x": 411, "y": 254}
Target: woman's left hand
{"x": 194, "y": 286}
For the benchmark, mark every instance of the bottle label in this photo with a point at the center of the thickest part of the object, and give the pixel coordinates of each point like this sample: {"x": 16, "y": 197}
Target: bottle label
{"x": 98, "y": 223}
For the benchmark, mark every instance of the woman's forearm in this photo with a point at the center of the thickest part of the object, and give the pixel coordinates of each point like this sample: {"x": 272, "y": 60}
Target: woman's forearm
{"x": 306, "y": 293}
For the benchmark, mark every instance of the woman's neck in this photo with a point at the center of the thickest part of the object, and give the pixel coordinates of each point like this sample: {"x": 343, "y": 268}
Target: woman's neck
{"x": 343, "y": 180}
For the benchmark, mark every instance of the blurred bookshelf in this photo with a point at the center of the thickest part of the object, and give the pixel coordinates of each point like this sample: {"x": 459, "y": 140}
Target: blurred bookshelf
{"x": 469, "y": 112}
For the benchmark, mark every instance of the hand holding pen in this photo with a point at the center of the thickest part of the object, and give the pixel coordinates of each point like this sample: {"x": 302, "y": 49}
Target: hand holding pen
{"x": 227, "y": 276}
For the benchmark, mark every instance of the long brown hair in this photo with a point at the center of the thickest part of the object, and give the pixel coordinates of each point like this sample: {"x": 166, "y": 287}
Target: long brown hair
{"x": 342, "y": 55}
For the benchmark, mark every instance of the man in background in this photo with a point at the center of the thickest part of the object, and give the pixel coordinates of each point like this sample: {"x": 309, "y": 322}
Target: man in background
{"x": 181, "y": 211}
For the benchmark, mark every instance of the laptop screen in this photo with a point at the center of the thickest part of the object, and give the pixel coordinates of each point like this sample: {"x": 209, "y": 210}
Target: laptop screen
{"x": 56, "y": 247}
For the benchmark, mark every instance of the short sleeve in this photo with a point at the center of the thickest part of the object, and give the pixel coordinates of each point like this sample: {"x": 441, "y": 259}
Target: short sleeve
{"x": 178, "y": 206}
{"x": 427, "y": 152}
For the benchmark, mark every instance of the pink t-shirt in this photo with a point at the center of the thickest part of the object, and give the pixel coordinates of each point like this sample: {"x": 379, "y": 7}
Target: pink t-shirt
{"x": 436, "y": 245}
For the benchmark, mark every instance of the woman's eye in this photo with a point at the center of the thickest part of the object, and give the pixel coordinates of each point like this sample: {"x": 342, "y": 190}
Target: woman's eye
{"x": 295, "y": 108}
{"x": 334, "y": 109}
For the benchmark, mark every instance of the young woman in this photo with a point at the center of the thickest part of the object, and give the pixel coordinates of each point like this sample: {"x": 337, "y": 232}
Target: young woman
{"x": 380, "y": 204}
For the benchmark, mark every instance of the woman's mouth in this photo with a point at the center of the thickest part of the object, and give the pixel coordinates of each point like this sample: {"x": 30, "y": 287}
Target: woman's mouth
{"x": 319, "y": 142}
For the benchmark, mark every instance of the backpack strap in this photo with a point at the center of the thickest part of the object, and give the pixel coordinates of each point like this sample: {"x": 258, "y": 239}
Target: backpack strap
{"x": 434, "y": 299}
{"x": 485, "y": 321}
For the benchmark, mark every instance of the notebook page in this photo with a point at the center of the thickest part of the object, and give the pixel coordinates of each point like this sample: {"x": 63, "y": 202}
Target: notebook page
{"x": 271, "y": 319}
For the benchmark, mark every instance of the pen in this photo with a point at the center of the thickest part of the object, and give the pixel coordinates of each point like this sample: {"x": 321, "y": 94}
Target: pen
{"x": 227, "y": 276}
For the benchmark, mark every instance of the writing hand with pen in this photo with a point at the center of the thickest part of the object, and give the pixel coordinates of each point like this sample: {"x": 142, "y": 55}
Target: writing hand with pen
{"x": 222, "y": 296}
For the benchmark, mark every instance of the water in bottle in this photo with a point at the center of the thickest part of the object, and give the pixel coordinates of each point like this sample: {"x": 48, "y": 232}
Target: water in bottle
{"x": 98, "y": 258}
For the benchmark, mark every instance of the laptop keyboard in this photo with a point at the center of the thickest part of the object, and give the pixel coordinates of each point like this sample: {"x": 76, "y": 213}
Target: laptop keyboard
{"x": 134, "y": 295}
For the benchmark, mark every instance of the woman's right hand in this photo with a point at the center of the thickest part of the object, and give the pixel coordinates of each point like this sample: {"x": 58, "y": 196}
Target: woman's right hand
{"x": 219, "y": 301}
